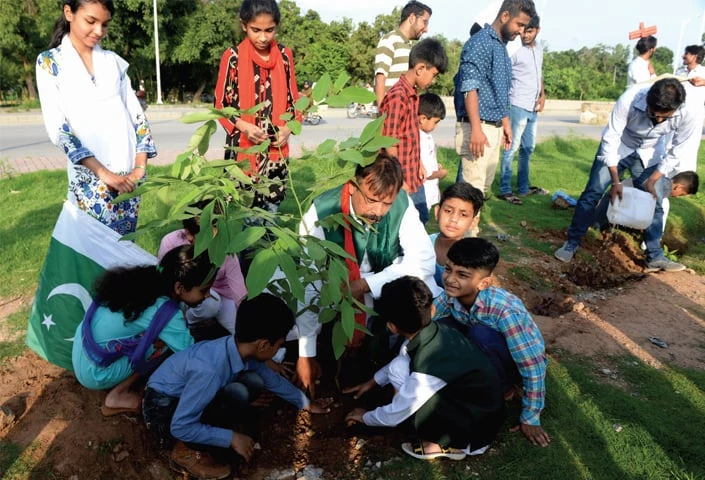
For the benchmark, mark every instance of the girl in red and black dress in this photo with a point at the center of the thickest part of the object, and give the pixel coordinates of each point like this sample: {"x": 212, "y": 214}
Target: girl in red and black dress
{"x": 259, "y": 70}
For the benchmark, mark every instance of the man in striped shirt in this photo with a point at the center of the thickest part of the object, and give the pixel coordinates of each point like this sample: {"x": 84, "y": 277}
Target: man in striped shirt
{"x": 392, "y": 54}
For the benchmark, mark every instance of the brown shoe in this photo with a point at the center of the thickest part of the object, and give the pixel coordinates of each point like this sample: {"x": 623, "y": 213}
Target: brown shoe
{"x": 197, "y": 464}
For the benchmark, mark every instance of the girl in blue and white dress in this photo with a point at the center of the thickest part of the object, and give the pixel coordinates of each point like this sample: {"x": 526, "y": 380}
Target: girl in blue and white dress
{"x": 92, "y": 113}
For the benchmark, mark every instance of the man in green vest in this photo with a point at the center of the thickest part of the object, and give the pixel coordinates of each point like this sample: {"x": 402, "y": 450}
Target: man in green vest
{"x": 389, "y": 242}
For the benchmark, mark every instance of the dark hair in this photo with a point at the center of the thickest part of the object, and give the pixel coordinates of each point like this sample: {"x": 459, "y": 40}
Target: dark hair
{"x": 131, "y": 290}
{"x": 406, "y": 303}
{"x": 417, "y": 8}
{"x": 251, "y": 9}
{"x": 476, "y": 27}
{"x": 193, "y": 224}
{"x": 384, "y": 175}
{"x": 517, "y": 7}
{"x": 432, "y": 106}
{"x": 466, "y": 192}
{"x": 689, "y": 180}
{"x": 535, "y": 22}
{"x": 666, "y": 95}
{"x": 263, "y": 317}
{"x": 431, "y": 53}
{"x": 476, "y": 253}
{"x": 645, "y": 44}
{"x": 696, "y": 50}
{"x": 62, "y": 26}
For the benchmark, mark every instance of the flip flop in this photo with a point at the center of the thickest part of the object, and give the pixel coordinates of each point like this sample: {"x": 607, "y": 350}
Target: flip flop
{"x": 416, "y": 450}
{"x": 511, "y": 198}
{"x": 112, "y": 411}
{"x": 537, "y": 191}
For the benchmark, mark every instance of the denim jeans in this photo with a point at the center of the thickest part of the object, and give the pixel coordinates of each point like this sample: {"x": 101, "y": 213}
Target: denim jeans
{"x": 523, "y": 139}
{"x": 599, "y": 180}
{"x": 229, "y": 406}
{"x": 493, "y": 344}
{"x": 419, "y": 200}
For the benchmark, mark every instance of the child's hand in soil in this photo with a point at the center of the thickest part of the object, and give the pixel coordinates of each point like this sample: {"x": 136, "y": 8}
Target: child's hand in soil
{"x": 355, "y": 416}
{"x": 321, "y": 405}
{"x": 285, "y": 369}
{"x": 243, "y": 445}
{"x": 361, "y": 389}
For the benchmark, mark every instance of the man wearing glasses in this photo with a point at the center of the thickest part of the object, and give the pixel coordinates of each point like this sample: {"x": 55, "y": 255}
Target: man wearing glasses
{"x": 392, "y": 54}
{"x": 387, "y": 241}
{"x": 639, "y": 119}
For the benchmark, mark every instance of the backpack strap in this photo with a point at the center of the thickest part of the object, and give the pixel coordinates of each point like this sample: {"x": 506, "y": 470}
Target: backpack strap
{"x": 134, "y": 348}
{"x": 137, "y": 357}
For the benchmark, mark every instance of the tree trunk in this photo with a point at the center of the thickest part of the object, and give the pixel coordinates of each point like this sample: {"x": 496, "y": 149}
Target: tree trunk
{"x": 29, "y": 80}
{"x": 197, "y": 94}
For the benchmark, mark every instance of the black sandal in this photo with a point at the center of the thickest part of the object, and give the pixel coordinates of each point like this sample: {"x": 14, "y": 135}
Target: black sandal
{"x": 511, "y": 198}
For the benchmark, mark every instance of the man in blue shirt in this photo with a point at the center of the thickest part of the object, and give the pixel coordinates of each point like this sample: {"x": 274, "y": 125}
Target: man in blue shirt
{"x": 526, "y": 99}
{"x": 197, "y": 395}
{"x": 482, "y": 94}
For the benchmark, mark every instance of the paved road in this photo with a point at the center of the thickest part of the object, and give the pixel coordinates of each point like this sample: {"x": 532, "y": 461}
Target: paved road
{"x": 24, "y": 145}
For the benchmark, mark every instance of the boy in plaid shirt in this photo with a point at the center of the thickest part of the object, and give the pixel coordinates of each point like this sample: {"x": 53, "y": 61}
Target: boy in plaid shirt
{"x": 401, "y": 105}
{"x": 499, "y": 324}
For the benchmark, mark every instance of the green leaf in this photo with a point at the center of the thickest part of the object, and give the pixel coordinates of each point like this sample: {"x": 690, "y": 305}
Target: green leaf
{"x": 339, "y": 101}
{"x": 286, "y": 116}
{"x": 338, "y": 340}
{"x": 315, "y": 251}
{"x": 347, "y": 319}
{"x": 255, "y": 109}
{"x": 328, "y": 146}
{"x": 246, "y": 238}
{"x": 378, "y": 143}
{"x": 327, "y": 315}
{"x": 211, "y": 128}
{"x": 351, "y": 142}
{"x": 203, "y": 116}
{"x": 302, "y": 103}
{"x": 294, "y": 126}
{"x": 321, "y": 88}
{"x": 335, "y": 249}
{"x": 261, "y": 271}
{"x": 352, "y": 156}
{"x": 203, "y": 132}
{"x": 288, "y": 266}
{"x": 359, "y": 94}
{"x": 371, "y": 130}
{"x": 178, "y": 166}
{"x": 340, "y": 82}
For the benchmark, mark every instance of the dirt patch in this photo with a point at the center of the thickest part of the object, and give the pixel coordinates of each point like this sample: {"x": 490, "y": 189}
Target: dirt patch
{"x": 594, "y": 307}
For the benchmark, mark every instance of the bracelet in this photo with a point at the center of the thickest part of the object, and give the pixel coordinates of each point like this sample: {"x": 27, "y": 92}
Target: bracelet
{"x": 143, "y": 167}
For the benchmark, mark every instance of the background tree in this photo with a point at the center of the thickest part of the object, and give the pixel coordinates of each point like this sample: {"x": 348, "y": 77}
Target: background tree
{"x": 25, "y": 31}
{"x": 663, "y": 60}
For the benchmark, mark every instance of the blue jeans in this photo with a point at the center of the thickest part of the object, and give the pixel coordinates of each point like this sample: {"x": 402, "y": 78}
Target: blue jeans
{"x": 523, "y": 139}
{"x": 600, "y": 178}
{"x": 419, "y": 200}
{"x": 493, "y": 344}
{"x": 229, "y": 406}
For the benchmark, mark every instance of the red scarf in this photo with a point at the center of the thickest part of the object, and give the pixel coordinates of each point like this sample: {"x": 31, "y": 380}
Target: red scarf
{"x": 353, "y": 267}
{"x": 274, "y": 68}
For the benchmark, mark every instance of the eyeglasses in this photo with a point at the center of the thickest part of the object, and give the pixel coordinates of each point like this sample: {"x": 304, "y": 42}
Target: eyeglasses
{"x": 370, "y": 200}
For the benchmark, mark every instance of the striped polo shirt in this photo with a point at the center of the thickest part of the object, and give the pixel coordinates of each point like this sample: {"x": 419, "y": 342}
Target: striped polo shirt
{"x": 392, "y": 57}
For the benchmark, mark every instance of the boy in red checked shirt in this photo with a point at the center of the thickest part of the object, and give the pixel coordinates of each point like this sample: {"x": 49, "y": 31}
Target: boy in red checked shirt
{"x": 401, "y": 104}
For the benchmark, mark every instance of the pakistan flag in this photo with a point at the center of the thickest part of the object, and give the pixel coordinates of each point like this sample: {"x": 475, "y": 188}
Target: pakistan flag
{"x": 81, "y": 249}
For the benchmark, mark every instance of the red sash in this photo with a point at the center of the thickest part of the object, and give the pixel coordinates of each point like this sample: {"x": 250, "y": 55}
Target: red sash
{"x": 353, "y": 266}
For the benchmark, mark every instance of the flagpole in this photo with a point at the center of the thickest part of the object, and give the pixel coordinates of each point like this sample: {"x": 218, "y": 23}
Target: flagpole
{"x": 156, "y": 55}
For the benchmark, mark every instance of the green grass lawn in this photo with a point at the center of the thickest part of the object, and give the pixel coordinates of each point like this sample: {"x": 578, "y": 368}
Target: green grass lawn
{"x": 649, "y": 425}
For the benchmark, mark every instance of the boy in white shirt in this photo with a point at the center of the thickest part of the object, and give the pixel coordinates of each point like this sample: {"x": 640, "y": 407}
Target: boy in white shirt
{"x": 431, "y": 112}
{"x": 446, "y": 388}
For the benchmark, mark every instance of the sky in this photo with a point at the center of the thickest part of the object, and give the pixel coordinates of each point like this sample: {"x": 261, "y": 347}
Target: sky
{"x": 565, "y": 24}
